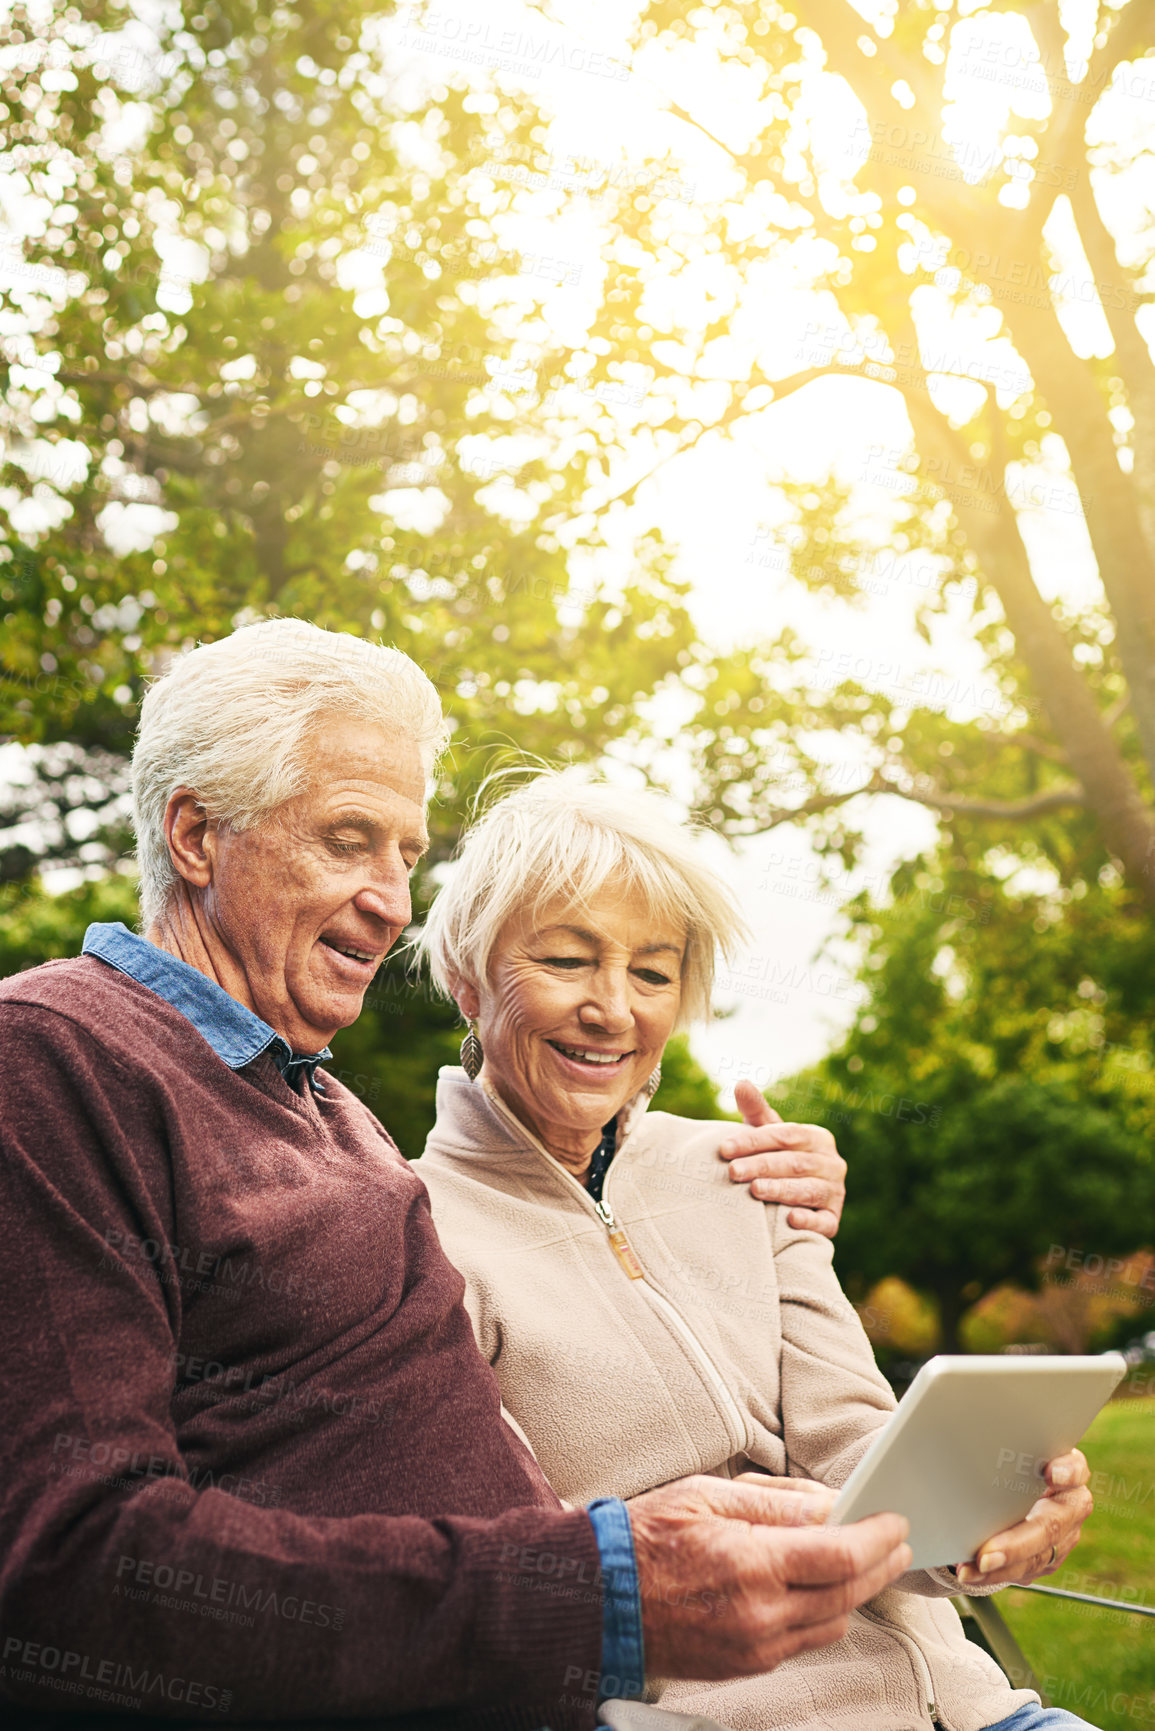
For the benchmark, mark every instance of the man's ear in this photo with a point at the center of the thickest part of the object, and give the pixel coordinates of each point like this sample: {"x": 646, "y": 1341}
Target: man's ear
{"x": 467, "y": 999}
{"x": 190, "y": 837}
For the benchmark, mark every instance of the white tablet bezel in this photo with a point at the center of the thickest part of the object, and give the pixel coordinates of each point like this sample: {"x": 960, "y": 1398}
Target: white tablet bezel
{"x": 962, "y": 1455}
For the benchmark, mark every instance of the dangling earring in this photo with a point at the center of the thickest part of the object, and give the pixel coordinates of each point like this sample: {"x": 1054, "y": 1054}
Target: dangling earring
{"x": 653, "y": 1084}
{"x": 472, "y": 1055}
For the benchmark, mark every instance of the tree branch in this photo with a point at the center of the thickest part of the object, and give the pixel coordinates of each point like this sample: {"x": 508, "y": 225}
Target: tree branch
{"x": 839, "y": 27}
{"x": 1043, "y": 747}
{"x": 1109, "y": 785}
{"x": 1119, "y": 299}
{"x": 680, "y": 113}
{"x": 782, "y": 389}
{"x": 817, "y": 803}
{"x": 1012, "y": 810}
{"x": 1131, "y": 33}
{"x": 935, "y": 799}
{"x": 138, "y": 387}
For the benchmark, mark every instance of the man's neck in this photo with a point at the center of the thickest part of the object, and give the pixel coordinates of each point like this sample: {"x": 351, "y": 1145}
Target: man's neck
{"x": 184, "y": 932}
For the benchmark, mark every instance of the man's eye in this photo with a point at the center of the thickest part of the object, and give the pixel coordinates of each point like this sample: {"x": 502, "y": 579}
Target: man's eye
{"x": 344, "y": 847}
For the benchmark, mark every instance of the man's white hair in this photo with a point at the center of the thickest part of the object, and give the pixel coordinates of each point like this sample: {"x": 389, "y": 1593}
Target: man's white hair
{"x": 232, "y": 720}
{"x": 562, "y": 837}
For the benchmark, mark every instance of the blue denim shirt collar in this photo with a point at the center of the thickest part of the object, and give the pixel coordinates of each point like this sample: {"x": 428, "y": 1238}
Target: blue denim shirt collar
{"x": 237, "y": 1035}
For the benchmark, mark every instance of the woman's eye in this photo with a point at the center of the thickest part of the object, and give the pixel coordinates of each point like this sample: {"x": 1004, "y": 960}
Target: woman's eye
{"x": 564, "y": 961}
{"x": 653, "y": 978}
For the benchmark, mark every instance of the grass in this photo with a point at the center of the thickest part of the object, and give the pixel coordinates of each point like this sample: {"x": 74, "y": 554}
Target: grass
{"x": 1096, "y": 1663}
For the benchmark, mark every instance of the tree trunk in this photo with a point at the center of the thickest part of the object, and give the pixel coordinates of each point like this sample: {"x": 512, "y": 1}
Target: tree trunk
{"x": 1112, "y": 794}
{"x": 994, "y": 236}
{"x": 1109, "y": 503}
{"x": 1134, "y": 357}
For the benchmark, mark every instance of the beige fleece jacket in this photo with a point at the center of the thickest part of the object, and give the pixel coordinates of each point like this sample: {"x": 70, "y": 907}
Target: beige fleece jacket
{"x": 735, "y": 1348}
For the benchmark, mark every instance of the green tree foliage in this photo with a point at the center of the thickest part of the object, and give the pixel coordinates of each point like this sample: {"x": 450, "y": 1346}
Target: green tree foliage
{"x": 416, "y": 455}
{"x": 996, "y": 1093}
{"x": 685, "y": 1087}
{"x": 342, "y": 453}
{"x": 384, "y": 458}
{"x": 37, "y": 927}
{"x": 896, "y": 224}
{"x": 294, "y": 428}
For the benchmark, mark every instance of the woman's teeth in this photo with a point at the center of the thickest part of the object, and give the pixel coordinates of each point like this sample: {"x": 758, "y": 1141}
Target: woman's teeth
{"x": 584, "y": 1056}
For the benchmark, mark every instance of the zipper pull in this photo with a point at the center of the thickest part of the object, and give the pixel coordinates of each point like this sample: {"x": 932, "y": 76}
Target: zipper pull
{"x": 619, "y": 1243}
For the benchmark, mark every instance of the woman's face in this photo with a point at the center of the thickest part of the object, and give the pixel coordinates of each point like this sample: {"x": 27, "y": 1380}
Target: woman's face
{"x": 577, "y": 1010}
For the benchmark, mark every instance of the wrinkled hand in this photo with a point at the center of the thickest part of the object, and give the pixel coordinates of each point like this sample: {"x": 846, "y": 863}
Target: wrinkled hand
{"x": 737, "y": 1576}
{"x": 796, "y": 1164}
{"x": 1023, "y": 1552}
{"x": 812, "y": 1502}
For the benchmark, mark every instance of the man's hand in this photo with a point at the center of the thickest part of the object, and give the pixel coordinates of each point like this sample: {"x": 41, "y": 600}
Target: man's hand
{"x": 796, "y": 1164}
{"x": 1043, "y": 1540}
{"x": 736, "y": 1577}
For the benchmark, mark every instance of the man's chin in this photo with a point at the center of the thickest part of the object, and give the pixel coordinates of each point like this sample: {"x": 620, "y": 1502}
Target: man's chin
{"x": 329, "y": 1013}
{"x": 342, "y": 1009}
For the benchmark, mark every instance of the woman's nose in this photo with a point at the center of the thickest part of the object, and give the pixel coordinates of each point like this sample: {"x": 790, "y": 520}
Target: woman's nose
{"x": 608, "y": 1006}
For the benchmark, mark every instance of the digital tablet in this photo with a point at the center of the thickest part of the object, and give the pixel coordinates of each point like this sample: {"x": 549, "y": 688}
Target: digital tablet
{"x": 962, "y": 1456}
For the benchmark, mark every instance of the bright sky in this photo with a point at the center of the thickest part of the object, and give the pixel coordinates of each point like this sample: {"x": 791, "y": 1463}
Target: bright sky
{"x": 717, "y": 502}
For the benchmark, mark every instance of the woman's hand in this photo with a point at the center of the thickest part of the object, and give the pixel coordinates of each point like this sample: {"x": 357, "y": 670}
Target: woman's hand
{"x": 796, "y": 1164}
{"x": 1045, "y": 1538}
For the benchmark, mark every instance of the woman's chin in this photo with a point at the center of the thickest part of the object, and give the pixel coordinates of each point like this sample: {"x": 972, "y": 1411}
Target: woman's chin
{"x": 576, "y": 1098}
{"x": 587, "y": 1108}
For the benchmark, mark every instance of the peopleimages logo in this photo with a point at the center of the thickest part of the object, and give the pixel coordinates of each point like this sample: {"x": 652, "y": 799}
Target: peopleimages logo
{"x": 63, "y": 1668}
{"x": 475, "y": 40}
{"x": 219, "y": 1591}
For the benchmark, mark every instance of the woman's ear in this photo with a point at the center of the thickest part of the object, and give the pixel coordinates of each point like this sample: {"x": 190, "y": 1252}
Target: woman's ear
{"x": 467, "y": 999}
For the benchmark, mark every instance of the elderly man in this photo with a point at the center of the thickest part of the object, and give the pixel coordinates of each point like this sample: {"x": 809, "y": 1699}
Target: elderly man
{"x": 256, "y": 1467}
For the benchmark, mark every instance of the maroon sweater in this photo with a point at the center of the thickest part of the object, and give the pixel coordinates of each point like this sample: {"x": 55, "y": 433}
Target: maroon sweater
{"x": 254, "y": 1465}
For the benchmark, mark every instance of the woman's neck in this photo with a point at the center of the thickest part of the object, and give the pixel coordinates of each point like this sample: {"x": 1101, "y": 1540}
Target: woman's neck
{"x": 572, "y": 1149}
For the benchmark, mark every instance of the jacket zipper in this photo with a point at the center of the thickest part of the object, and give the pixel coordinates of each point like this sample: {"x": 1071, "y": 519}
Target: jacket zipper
{"x": 628, "y": 1258}
{"x": 915, "y": 1654}
{"x": 619, "y": 1243}
{"x": 712, "y": 1375}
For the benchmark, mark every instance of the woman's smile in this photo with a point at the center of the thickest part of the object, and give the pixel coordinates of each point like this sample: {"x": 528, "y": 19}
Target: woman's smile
{"x": 590, "y": 1057}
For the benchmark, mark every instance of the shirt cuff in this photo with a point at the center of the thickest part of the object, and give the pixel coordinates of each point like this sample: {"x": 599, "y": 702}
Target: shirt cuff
{"x": 623, "y": 1658}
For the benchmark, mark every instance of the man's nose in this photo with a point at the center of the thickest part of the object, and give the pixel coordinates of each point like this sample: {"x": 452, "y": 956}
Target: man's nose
{"x": 386, "y": 896}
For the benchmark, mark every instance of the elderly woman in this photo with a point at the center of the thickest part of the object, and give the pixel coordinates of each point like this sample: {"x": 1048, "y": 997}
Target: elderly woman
{"x": 643, "y": 1319}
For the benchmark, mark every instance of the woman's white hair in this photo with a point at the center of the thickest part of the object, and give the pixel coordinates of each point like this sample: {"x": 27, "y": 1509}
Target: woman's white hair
{"x": 232, "y": 720}
{"x": 562, "y": 837}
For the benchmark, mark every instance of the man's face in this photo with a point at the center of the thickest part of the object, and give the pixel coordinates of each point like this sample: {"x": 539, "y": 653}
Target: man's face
{"x": 326, "y": 875}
